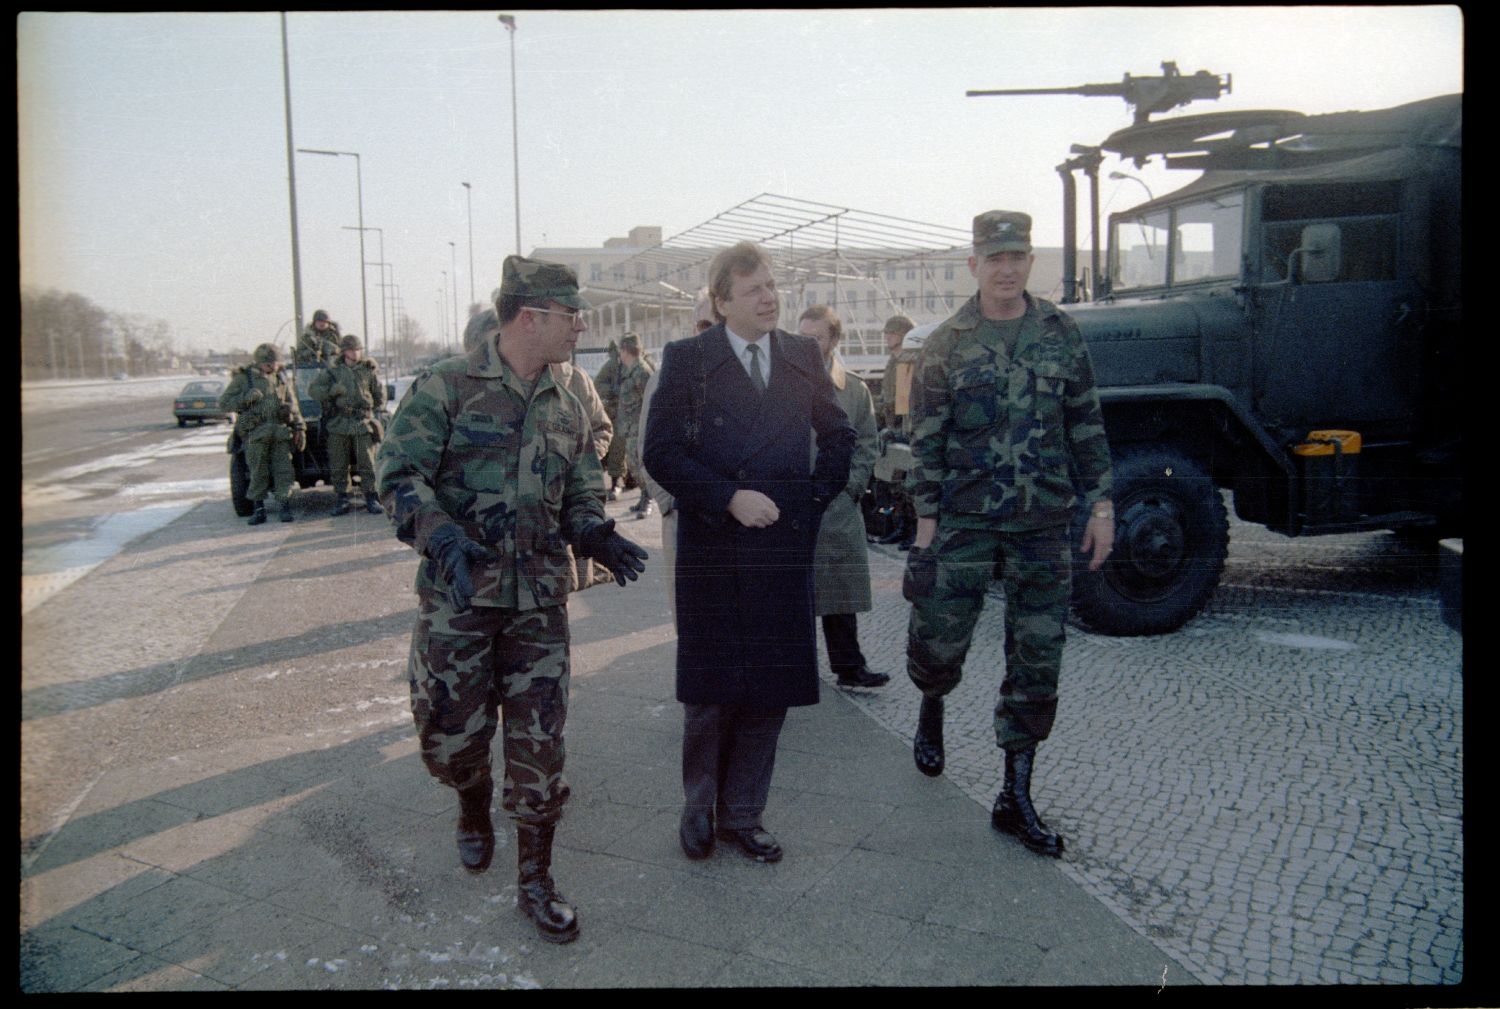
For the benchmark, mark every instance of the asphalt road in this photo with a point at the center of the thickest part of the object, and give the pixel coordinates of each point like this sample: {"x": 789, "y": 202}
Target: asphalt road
{"x": 1272, "y": 795}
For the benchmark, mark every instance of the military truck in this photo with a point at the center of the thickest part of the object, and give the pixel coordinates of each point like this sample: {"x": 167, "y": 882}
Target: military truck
{"x": 310, "y": 465}
{"x": 1283, "y": 331}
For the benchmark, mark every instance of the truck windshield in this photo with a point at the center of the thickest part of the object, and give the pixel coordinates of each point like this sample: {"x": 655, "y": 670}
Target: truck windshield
{"x": 1185, "y": 244}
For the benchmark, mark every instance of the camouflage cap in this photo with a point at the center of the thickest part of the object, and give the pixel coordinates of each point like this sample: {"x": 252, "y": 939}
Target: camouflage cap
{"x": 532, "y": 278}
{"x": 631, "y": 342}
{"x": 351, "y": 342}
{"x": 1002, "y": 231}
{"x": 320, "y": 316}
{"x": 899, "y": 324}
{"x": 267, "y": 353}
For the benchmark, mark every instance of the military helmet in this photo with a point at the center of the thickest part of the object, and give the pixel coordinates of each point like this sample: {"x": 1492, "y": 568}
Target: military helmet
{"x": 267, "y": 353}
{"x": 350, "y": 342}
{"x": 631, "y": 342}
{"x": 320, "y": 316}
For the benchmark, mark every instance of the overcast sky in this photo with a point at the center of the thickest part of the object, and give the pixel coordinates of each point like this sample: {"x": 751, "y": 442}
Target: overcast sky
{"x": 153, "y": 149}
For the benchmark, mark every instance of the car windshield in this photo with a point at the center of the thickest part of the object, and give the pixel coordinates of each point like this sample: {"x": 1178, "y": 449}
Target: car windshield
{"x": 202, "y": 388}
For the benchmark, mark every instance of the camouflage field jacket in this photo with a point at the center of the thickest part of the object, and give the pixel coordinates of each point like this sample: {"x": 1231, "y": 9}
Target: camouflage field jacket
{"x": 274, "y": 414}
{"x": 520, "y": 476}
{"x": 1007, "y": 441}
{"x": 351, "y": 395}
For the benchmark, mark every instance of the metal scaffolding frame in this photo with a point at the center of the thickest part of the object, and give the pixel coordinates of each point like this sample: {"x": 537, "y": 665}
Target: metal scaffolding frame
{"x": 809, "y": 242}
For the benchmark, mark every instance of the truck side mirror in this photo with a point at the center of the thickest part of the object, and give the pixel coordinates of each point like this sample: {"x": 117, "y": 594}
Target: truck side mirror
{"x": 1317, "y": 259}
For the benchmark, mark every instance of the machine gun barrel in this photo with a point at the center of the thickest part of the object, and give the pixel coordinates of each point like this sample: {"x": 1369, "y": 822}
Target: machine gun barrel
{"x": 1145, "y": 95}
{"x": 1102, "y": 90}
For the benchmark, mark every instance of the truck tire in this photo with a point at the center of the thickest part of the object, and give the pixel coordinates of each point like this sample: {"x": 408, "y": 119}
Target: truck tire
{"x": 239, "y": 484}
{"x": 1171, "y": 538}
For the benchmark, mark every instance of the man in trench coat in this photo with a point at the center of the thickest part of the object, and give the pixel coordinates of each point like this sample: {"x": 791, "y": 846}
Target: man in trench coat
{"x": 729, "y": 436}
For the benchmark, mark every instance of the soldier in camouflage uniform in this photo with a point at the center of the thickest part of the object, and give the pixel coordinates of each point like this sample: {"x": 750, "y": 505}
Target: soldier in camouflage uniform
{"x": 1005, "y": 424}
{"x": 607, "y": 382}
{"x": 635, "y": 372}
{"x": 489, "y": 471}
{"x": 893, "y": 426}
{"x": 319, "y": 342}
{"x": 269, "y": 423}
{"x": 485, "y": 326}
{"x": 352, "y": 395}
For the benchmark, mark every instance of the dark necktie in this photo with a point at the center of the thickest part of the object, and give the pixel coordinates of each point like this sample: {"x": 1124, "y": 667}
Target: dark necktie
{"x": 757, "y": 379}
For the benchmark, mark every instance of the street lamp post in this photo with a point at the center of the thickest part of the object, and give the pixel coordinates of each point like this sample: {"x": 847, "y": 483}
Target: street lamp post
{"x": 443, "y": 308}
{"x": 359, "y": 195}
{"x": 453, "y": 261}
{"x": 469, "y": 199}
{"x": 1121, "y": 175}
{"x": 384, "y": 343}
{"x": 510, "y": 26}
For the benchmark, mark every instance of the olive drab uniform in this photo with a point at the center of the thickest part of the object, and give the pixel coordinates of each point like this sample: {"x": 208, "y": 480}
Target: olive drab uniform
{"x": 632, "y": 384}
{"x": 315, "y": 347}
{"x": 1005, "y": 424}
{"x": 514, "y": 465}
{"x": 352, "y": 396}
{"x": 608, "y": 385}
{"x": 267, "y": 416}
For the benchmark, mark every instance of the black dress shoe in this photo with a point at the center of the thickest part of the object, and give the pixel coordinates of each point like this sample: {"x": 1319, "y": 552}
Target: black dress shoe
{"x": 864, "y": 676}
{"x": 755, "y": 842}
{"x": 696, "y": 833}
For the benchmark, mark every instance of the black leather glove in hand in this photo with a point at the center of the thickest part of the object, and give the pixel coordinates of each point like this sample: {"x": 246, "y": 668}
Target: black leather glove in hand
{"x": 624, "y": 559}
{"x": 453, "y": 551}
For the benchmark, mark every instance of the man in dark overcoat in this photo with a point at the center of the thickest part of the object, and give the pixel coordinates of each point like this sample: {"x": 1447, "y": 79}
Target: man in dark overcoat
{"x": 729, "y": 436}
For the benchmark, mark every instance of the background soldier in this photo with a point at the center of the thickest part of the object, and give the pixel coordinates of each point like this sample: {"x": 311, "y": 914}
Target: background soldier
{"x": 352, "y": 395}
{"x": 635, "y": 372}
{"x": 894, "y": 428}
{"x": 896, "y": 327}
{"x": 841, "y": 561}
{"x": 269, "y": 423}
{"x": 1005, "y": 422}
{"x": 488, "y": 471}
{"x": 318, "y": 343}
{"x": 607, "y": 383}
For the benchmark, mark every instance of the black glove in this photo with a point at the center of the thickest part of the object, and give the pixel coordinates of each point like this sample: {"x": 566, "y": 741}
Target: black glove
{"x": 453, "y": 551}
{"x": 623, "y": 558}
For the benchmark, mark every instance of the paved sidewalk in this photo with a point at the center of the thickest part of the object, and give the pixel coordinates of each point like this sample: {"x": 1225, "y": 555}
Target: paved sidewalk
{"x": 279, "y": 862}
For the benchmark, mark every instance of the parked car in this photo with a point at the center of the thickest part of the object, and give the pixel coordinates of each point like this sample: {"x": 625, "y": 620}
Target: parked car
{"x": 199, "y": 400}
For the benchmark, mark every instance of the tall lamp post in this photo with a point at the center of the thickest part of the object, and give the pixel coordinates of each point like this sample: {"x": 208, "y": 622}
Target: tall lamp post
{"x": 1119, "y": 176}
{"x": 469, "y": 198}
{"x": 453, "y": 261}
{"x": 359, "y": 194}
{"x": 443, "y": 308}
{"x": 384, "y": 343}
{"x": 510, "y": 26}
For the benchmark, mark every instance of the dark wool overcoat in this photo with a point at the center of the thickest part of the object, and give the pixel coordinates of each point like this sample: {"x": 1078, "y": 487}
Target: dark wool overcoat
{"x": 745, "y": 630}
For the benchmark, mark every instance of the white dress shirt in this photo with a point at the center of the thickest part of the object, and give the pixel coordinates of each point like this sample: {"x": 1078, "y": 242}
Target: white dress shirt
{"x": 740, "y": 345}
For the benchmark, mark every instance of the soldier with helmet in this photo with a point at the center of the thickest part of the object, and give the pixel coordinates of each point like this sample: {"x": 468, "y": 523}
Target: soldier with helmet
{"x": 352, "y": 396}
{"x": 318, "y": 343}
{"x": 490, "y": 472}
{"x": 635, "y": 371}
{"x": 1007, "y": 436}
{"x": 269, "y": 424}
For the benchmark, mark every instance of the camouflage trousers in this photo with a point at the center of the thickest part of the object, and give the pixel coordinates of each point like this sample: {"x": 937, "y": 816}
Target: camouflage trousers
{"x": 947, "y": 584}
{"x": 614, "y": 460}
{"x": 351, "y": 451}
{"x": 466, "y": 669}
{"x": 269, "y": 461}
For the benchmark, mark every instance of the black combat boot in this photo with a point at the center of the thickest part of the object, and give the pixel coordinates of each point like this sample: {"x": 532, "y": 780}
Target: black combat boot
{"x": 341, "y": 505}
{"x": 927, "y": 745}
{"x": 476, "y": 831}
{"x": 372, "y": 503}
{"x": 1014, "y": 813}
{"x": 536, "y": 894}
{"x": 259, "y": 517}
{"x": 286, "y": 511}
{"x": 642, "y": 508}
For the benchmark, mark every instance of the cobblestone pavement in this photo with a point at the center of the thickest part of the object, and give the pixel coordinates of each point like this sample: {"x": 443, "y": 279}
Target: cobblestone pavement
{"x": 1274, "y": 793}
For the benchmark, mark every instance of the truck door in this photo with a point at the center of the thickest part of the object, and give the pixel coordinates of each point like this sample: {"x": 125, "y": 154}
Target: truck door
{"x": 1337, "y": 328}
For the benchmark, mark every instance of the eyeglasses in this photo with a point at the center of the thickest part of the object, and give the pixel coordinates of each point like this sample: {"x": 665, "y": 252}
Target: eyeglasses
{"x": 574, "y": 316}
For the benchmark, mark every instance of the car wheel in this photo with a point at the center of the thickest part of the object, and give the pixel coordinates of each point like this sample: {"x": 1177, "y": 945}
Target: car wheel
{"x": 1171, "y": 539}
{"x": 239, "y": 485}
